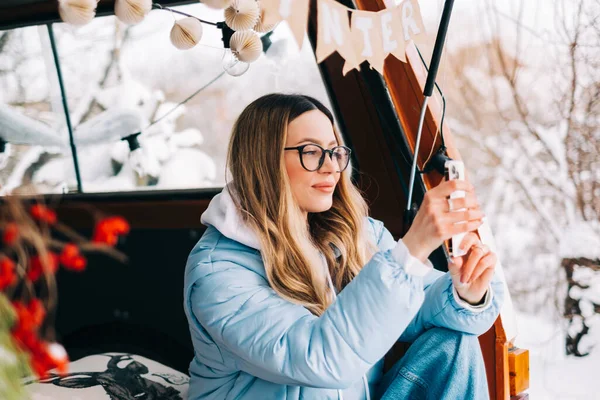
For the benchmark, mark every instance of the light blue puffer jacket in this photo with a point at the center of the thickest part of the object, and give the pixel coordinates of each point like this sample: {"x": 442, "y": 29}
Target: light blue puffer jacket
{"x": 251, "y": 344}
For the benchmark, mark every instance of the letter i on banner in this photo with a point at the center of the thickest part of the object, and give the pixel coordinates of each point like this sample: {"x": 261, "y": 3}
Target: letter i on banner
{"x": 333, "y": 31}
{"x": 366, "y": 35}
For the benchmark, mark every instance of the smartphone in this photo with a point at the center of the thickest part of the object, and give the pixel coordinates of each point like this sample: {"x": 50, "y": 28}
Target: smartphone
{"x": 455, "y": 169}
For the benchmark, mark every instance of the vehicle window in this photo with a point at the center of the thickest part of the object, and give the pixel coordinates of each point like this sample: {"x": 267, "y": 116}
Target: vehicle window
{"x": 32, "y": 124}
{"x": 121, "y": 80}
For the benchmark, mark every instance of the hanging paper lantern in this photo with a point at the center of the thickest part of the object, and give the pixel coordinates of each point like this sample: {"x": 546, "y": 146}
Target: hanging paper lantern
{"x": 132, "y": 11}
{"x": 242, "y": 15}
{"x": 186, "y": 33}
{"x": 246, "y": 46}
{"x": 266, "y": 23}
{"x": 217, "y": 4}
{"x": 77, "y": 12}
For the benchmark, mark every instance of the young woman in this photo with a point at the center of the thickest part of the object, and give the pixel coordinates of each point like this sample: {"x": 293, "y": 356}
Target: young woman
{"x": 294, "y": 293}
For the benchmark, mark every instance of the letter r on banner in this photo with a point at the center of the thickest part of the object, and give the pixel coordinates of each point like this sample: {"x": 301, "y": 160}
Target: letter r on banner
{"x": 412, "y": 21}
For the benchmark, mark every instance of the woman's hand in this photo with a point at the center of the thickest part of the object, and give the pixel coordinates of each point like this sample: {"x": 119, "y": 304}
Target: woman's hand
{"x": 435, "y": 222}
{"x": 471, "y": 274}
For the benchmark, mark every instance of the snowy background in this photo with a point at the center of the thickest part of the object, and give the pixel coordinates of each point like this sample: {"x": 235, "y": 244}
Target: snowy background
{"x": 522, "y": 81}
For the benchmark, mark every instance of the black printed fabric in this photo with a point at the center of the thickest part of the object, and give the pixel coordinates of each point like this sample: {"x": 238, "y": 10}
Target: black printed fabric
{"x": 115, "y": 377}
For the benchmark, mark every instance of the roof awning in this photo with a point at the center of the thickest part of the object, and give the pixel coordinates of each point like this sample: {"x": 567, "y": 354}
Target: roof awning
{"x": 20, "y": 13}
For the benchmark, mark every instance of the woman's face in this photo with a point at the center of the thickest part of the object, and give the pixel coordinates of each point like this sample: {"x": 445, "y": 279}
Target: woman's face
{"x": 313, "y": 191}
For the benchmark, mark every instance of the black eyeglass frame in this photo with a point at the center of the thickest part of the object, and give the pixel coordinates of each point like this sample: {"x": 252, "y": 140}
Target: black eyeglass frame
{"x": 300, "y": 149}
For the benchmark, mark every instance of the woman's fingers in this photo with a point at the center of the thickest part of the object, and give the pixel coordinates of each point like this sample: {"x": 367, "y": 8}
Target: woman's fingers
{"x": 446, "y": 188}
{"x": 468, "y": 241}
{"x": 469, "y": 201}
{"x": 449, "y": 223}
{"x": 457, "y": 217}
{"x": 457, "y": 229}
{"x": 474, "y": 259}
{"x": 446, "y": 232}
{"x": 437, "y": 219}
{"x": 487, "y": 262}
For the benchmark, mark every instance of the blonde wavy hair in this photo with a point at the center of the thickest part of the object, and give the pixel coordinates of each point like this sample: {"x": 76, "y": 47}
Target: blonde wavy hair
{"x": 290, "y": 244}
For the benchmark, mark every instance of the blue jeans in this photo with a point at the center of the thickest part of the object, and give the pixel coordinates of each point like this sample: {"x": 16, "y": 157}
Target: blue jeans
{"x": 440, "y": 364}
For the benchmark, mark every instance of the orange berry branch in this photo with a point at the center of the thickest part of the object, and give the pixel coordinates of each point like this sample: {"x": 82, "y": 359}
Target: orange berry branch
{"x": 32, "y": 249}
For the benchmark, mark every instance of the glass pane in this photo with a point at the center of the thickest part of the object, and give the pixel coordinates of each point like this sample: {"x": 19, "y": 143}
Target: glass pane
{"x": 122, "y": 80}
{"x": 32, "y": 124}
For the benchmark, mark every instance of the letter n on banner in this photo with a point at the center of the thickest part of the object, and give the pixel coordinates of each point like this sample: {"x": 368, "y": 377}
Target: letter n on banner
{"x": 366, "y": 37}
{"x": 333, "y": 31}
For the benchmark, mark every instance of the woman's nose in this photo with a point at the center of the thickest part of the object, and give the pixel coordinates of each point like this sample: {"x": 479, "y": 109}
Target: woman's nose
{"x": 329, "y": 166}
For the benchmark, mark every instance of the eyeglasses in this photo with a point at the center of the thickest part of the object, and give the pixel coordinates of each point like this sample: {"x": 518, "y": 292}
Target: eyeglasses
{"x": 312, "y": 156}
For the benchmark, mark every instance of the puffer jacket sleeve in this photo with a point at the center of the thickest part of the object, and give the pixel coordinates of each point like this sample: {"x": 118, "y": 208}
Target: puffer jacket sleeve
{"x": 440, "y": 307}
{"x": 284, "y": 343}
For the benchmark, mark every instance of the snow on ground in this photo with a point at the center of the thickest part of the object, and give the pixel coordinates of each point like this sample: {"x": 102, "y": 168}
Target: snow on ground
{"x": 553, "y": 375}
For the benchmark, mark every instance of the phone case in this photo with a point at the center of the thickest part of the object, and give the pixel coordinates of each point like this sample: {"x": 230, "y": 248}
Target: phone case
{"x": 456, "y": 170}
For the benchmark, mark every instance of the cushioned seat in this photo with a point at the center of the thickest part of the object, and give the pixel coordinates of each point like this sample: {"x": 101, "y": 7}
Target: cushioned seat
{"x": 113, "y": 376}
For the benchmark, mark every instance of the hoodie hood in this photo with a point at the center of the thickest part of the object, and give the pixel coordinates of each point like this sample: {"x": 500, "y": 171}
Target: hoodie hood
{"x": 223, "y": 214}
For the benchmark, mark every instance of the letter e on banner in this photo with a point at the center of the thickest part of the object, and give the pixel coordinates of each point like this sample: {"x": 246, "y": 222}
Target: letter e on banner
{"x": 392, "y": 37}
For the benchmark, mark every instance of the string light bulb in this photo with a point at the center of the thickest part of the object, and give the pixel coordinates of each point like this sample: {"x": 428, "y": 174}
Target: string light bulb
{"x": 132, "y": 12}
{"x": 77, "y": 12}
{"x": 233, "y": 65}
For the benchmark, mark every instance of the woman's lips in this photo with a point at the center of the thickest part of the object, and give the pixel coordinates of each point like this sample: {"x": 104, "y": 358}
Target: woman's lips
{"x": 324, "y": 188}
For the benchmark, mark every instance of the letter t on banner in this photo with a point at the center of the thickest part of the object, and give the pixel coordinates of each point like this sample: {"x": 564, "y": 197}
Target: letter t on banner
{"x": 333, "y": 32}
